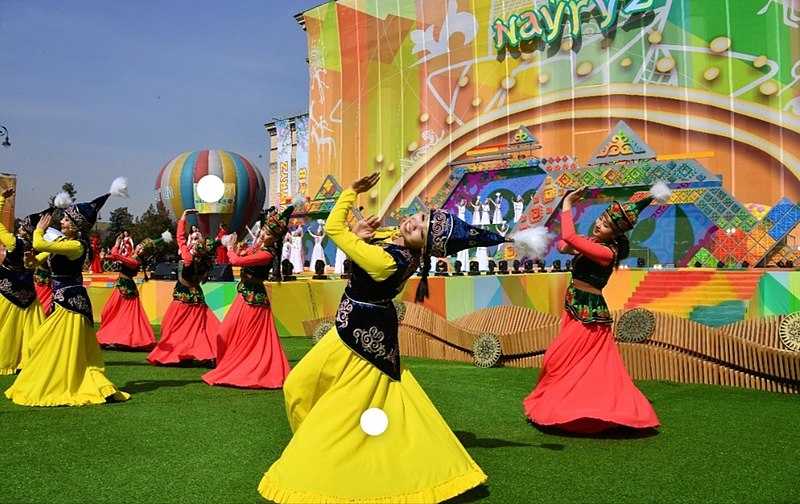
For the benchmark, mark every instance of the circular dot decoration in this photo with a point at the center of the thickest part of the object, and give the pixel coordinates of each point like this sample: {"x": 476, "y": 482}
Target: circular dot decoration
{"x": 665, "y": 64}
{"x": 711, "y": 73}
{"x": 720, "y": 45}
{"x": 768, "y": 88}
{"x": 486, "y": 350}
{"x": 655, "y": 37}
{"x": 635, "y": 325}
{"x": 584, "y": 68}
{"x": 789, "y": 332}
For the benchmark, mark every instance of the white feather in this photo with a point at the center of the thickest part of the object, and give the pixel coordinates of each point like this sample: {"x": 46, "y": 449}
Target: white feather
{"x": 660, "y": 191}
{"x": 298, "y": 201}
{"x": 119, "y": 187}
{"x": 533, "y": 242}
{"x": 62, "y": 200}
{"x": 228, "y": 240}
{"x": 166, "y": 236}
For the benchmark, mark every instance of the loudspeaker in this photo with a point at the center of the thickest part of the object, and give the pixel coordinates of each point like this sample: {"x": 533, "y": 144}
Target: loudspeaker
{"x": 221, "y": 273}
{"x": 165, "y": 271}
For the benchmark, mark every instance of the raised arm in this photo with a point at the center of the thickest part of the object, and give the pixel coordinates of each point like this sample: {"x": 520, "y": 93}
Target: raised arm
{"x": 596, "y": 252}
{"x": 128, "y": 261}
{"x": 254, "y": 259}
{"x": 186, "y": 256}
{"x": 378, "y": 263}
{"x": 564, "y": 248}
{"x": 72, "y": 249}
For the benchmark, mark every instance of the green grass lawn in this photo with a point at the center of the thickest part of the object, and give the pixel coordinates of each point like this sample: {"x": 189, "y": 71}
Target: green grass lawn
{"x": 180, "y": 441}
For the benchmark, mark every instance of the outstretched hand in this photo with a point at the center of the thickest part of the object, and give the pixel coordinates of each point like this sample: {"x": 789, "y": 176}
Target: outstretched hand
{"x": 44, "y": 222}
{"x": 573, "y": 197}
{"x": 365, "y": 228}
{"x": 365, "y": 184}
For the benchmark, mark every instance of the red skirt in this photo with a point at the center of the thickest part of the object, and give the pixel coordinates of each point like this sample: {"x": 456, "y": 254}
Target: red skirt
{"x": 124, "y": 323}
{"x": 188, "y": 332}
{"x": 249, "y": 353}
{"x": 222, "y": 255}
{"x": 45, "y": 294}
{"x": 584, "y": 386}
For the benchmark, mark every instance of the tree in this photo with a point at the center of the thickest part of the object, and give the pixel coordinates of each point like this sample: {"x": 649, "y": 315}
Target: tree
{"x": 154, "y": 221}
{"x": 121, "y": 220}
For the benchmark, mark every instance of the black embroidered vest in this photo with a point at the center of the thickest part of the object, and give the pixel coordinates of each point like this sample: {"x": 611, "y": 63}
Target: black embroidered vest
{"x": 125, "y": 283}
{"x": 588, "y": 307}
{"x": 16, "y": 282}
{"x": 251, "y": 284}
{"x": 367, "y": 320}
{"x": 68, "y": 290}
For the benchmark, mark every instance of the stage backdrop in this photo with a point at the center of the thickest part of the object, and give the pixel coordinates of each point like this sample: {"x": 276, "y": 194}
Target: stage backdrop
{"x": 7, "y": 215}
{"x": 707, "y": 296}
{"x": 405, "y": 87}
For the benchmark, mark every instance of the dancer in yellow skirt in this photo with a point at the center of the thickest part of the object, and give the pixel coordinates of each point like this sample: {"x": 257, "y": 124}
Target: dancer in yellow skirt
{"x": 356, "y": 367}
{"x": 65, "y": 365}
{"x": 20, "y": 312}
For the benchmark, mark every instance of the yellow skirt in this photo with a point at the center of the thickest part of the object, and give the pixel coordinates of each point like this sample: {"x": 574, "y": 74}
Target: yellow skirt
{"x": 17, "y": 326}
{"x": 65, "y": 366}
{"x": 330, "y": 459}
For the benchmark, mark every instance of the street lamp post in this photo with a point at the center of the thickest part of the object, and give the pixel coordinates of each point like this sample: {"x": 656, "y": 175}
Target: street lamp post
{"x": 4, "y": 135}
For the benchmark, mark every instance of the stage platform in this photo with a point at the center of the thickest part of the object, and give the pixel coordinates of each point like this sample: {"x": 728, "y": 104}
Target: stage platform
{"x": 706, "y": 296}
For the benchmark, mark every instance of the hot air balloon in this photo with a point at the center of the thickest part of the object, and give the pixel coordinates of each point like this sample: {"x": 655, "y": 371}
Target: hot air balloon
{"x": 244, "y": 189}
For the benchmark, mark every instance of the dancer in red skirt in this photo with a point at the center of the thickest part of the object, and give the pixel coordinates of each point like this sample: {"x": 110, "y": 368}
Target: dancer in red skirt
{"x": 584, "y": 387}
{"x": 249, "y": 354}
{"x": 124, "y": 323}
{"x": 189, "y": 328}
{"x": 222, "y": 251}
{"x": 96, "y": 266}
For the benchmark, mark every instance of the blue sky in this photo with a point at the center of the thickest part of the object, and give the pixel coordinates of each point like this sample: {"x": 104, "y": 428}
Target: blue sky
{"x": 91, "y": 90}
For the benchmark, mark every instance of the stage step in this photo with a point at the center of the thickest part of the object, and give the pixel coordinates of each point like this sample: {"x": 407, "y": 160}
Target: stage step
{"x": 680, "y": 293}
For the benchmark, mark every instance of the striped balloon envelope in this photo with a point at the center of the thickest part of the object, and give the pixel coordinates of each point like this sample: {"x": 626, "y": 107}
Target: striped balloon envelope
{"x": 175, "y": 187}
